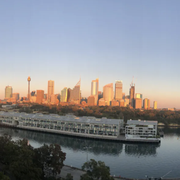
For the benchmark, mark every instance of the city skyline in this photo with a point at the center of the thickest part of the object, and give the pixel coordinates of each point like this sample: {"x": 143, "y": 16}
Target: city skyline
{"x": 104, "y": 39}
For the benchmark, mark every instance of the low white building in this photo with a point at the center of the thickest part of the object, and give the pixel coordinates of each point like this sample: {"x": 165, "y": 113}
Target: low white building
{"x": 141, "y": 129}
{"x": 68, "y": 123}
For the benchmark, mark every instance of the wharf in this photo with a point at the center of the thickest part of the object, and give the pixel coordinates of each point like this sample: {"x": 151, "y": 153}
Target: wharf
{"x": 120, "y": 138}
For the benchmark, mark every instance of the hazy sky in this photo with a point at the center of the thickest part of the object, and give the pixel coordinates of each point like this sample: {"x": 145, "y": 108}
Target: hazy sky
{"x": 63, "y": 40}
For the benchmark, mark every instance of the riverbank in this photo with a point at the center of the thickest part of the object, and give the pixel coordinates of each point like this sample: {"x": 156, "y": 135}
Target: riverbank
{"x": 77, "y": 173}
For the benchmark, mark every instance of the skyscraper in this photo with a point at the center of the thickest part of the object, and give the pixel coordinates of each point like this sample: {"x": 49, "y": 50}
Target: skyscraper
{"x": 118, "y": 90}
{"x": 132, "y": 96}
{"x": 50, "y": 90}
{"x": 155, "y": 105}
{"x": 94, "y": 90}
{"x": 8, "y": 92}
{"x": 75, "y": 94}
{"x": 146, "y": 103}
{"x": 29, "y": 80}
{"x": 64, "y": 95}
{"x": 138, "y": 101}
{"x": 108, "y": 93}
{"x": 40, "y": 96}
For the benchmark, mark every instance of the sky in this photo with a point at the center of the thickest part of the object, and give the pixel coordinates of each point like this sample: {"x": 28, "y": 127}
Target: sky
{"x": 65, "y": 40}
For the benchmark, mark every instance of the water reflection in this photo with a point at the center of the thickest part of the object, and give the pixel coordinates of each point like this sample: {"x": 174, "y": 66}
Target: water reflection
{"x": 141, "y": 149}
{"x": 74, "y": 143}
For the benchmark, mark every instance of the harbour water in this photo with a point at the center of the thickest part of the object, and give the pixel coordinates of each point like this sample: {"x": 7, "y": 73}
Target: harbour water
{"x": 125, "y": 160}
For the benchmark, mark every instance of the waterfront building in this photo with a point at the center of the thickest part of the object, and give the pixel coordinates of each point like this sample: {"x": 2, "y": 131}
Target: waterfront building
{"x": 118, "y": 90}
{"x": 108, "y": 93}
{"x": 101, "y": 102}
{"x": 40, "y": 96}
{"x": 68, "y": 124}
{"x": 146, "y": 103}
{"x": 155, "y": 105}
{"x": 8, "y": 92}
{"x": 91, "y": 101}
{"x": 50, "y": 90}
{"x": 75, "y": 94}
{"x": 64, "y": 95}
{"x": 114, "y": 103}
{"x": 137, "y": 129}
{"x": 94, "y": 90}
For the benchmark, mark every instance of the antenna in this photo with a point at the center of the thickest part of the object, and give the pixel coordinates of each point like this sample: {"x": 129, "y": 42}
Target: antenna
{"x": 132, "y": 82}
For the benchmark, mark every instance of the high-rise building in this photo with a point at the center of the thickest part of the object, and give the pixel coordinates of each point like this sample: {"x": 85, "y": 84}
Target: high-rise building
{"x": 132, "y": 96}
{"x": 8, "y": 92}
{"x": 138, "y": 101}
{"x": 50, "y": 90}
{"x": 29, "y": 80}
{"x": 108, "y": 93}
{"x": 101, "y": 102}
{"x": 155, "y": 105}
{"x": 91, "y": 100}
{"x": 40, "y": 96}
{"x": 114, "y": 103}
{"x": 64, "y": 95}
{"x": 118, "y": 90}
{"x": 54, "y": 99}
{"x": 146, "y": 103}
{"x": 75, "y": 94}
{"x": 15, "y": 96}
{"x": 94, "y": 90}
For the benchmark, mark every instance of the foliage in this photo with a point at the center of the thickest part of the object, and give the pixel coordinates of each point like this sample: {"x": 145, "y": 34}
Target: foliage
{"x": 96, "y": 171}
{"x": 162, "y": 116}
{"x": 21, "y": 161}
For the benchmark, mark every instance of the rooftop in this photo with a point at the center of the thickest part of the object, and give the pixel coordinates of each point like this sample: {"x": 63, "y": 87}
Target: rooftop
{"x": 142, "y": 122}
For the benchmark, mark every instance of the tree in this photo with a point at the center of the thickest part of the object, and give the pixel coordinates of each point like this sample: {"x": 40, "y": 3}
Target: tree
{"x": 50, "y": 159}
{"x": 3, "y": 177}
{"x": 96, "y": 171}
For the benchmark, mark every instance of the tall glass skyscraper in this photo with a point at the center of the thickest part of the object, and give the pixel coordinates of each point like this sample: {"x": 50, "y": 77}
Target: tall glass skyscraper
{"x": 64, "y": 95}
{"x": 94, "y": 90}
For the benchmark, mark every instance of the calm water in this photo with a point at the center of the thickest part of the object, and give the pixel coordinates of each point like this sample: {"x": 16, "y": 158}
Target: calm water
{"x": 126, "y": 160}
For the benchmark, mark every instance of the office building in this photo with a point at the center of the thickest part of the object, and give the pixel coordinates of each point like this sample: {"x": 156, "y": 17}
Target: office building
{"x": 91, "y": 100}
{"x": 132, "y": 96}
{"x": 8, "y": 92}
{"x": 126, "y": 102}
{"x": 50, "y": 90}
{"x": 108, "y": 93}
{"x": 75, "y": 94}
{"x": 121, "y": 103}
{"x": 101, "y": 102}
{"x": 146, "y": 103}
{"x": 114, "y": 103}
{"x": 138, "y": 101}
{"x": 54, "y": 99}
{"x": 118, "y": 90}
{"x": 40, "y": 96}
{"x": 155, "y": 105}
{"x": 94, "y": 90}
{"x": 64, "y": 95}
{"x": 15, "y": 96}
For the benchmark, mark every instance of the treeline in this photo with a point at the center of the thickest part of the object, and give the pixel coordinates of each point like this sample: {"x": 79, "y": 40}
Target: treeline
{"x": 162, "y": 116}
